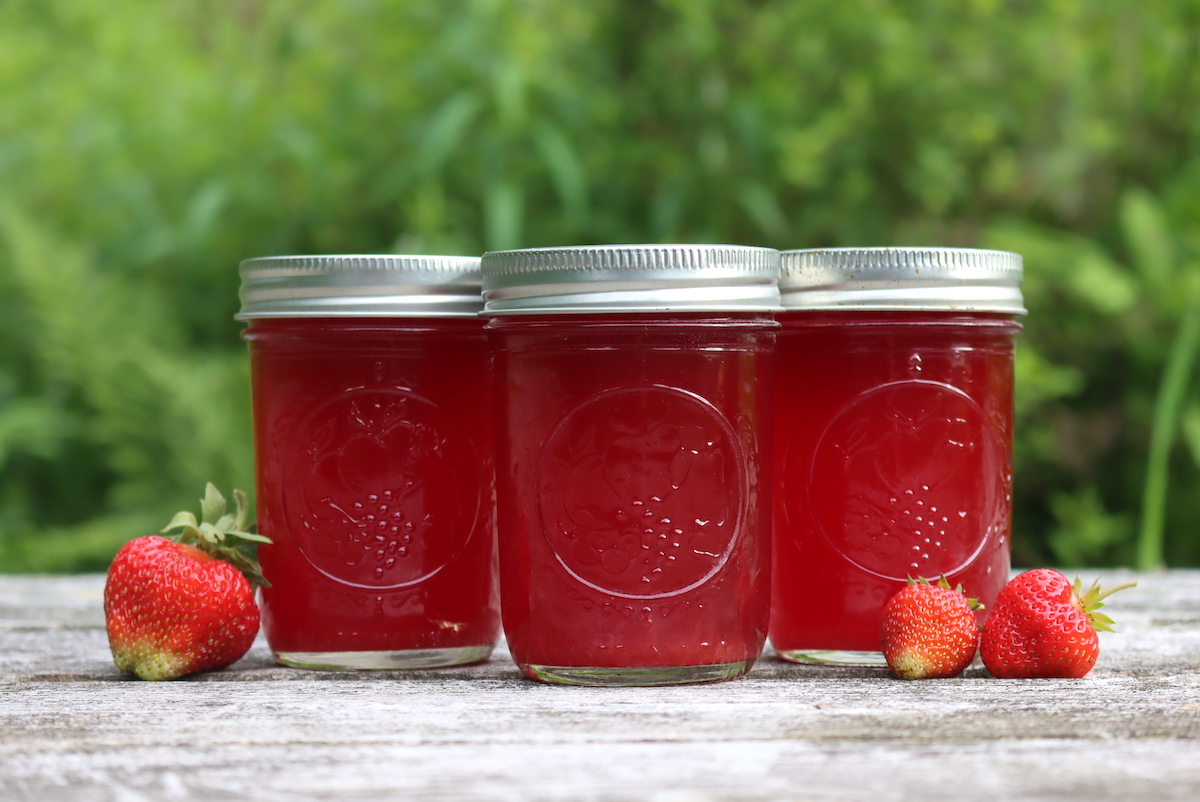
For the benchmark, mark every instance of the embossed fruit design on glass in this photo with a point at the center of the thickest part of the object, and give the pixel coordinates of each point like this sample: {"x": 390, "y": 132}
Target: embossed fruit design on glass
{"x": 372, "y": 427}
{"x": 893, "y": 437}
{"x": 633, "y": 412}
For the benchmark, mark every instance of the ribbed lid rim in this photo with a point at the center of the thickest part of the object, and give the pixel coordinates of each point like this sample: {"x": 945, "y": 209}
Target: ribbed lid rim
{"x": 631, "y": 278}
{"x": 963, "y": 279}
{"x": 360, "y": 285}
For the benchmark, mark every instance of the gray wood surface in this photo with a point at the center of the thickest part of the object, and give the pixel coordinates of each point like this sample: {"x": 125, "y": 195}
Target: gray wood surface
{"x": 73, "y": 728}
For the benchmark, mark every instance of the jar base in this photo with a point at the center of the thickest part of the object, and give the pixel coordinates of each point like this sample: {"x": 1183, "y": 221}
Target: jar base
{"x": 398, "y": 660}
{"x": 832, "y": 657}
{"x": 632, "y": 676}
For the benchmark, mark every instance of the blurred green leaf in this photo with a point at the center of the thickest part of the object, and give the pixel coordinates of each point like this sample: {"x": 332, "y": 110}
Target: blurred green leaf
{"x": 1086, "y": 532}
{"x": 1168, "y": 404}
{"x": 445, "y": 130}
{"x": 503, "y": 212}
{"x": 35, "y": 427}
{"x": 566, "y": 170}
{"x": 1146, "y": 232}
{"x": 1103, "y": 285}
{"x": 1190, "y": 426}
{"x": 1038, "y": 381}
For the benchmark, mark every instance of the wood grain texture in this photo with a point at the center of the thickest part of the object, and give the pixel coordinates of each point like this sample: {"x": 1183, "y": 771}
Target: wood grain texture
{"x": 73, "y": 728}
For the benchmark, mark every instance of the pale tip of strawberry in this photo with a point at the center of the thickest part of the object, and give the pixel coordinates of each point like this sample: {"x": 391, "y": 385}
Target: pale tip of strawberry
{"x": 151, "y": 665}
{"x": 909, "y": 666}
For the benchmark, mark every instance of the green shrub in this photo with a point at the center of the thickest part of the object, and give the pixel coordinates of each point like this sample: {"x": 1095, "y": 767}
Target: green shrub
{"x": 146, "y": 148}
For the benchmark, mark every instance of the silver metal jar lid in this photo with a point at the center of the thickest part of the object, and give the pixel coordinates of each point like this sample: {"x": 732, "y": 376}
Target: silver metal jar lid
{"x": 631, "y": 278}
{"x": 360, "y": 286}
{"x": 948, "y": 279}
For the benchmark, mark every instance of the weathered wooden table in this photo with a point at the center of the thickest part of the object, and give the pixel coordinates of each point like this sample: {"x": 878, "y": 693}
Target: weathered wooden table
{"x": 73, "y": 728}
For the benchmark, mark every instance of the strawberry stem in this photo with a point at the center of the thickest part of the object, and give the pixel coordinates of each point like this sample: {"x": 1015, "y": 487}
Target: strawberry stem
{"x": 1091, "y": 600}
{"x": 1112, "y": 590}
{"x": 222, "y": 535}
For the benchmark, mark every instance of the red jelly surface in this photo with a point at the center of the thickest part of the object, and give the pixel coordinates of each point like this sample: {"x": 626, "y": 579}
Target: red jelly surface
{"x": 375, "y": 484}
{"x": 634, "y": 528}
{"x": 893, "y": 459}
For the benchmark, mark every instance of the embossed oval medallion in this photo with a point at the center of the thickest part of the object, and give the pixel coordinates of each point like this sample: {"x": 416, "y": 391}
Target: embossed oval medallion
{"x": 384, "y": 488}
{"x": 640, "y": 491}
{"x": 905, "y": 481}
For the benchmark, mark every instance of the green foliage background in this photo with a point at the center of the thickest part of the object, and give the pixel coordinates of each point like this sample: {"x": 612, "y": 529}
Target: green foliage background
{"x": 145, "y": 148}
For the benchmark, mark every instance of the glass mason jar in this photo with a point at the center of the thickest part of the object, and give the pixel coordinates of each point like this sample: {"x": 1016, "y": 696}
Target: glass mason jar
{"x": 893, "y": 437}
{"x": 633, "y": 449}
{"x": 372, "y": 436}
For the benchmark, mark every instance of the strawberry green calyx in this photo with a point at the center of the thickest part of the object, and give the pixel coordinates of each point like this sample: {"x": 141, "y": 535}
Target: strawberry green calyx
{"x": 222, "y": 535}
{"x": 1091, "y": 600}
{"x": 944, "y": 583}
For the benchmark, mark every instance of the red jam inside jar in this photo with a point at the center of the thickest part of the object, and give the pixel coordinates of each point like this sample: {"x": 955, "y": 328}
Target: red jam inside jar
{"x": 893, "y": 460}
{"x": 634, "y": 525}
{"x": 376, "y": 486}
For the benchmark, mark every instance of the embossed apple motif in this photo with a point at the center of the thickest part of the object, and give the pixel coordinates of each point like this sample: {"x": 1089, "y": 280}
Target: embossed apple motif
{"x": 379, "y": 502}
{"x": 903, "y": 481}
{"x": 636, "y": 490}
{"x": 651, "y": 460}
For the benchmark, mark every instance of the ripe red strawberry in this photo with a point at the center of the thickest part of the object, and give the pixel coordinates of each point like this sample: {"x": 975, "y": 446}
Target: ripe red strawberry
{"x": 929, "y": 631}
{"x": 1043, "y": 626}
{"x": 185, "y": 604}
